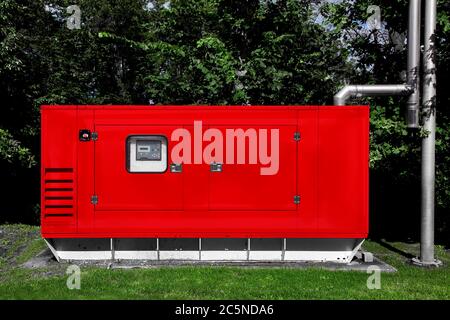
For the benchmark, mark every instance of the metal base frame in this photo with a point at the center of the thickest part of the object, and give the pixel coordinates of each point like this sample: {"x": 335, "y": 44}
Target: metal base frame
{"x": 206, "y": 249}
{"x": 420, "y": 263}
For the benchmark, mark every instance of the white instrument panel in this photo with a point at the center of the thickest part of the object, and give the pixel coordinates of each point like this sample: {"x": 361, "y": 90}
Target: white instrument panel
{"x": 147, "y": 154}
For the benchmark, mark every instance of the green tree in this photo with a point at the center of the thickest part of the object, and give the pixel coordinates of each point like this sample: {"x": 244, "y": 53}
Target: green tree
{"x": 241, "y": 52}
{"x": 44, "y": 62}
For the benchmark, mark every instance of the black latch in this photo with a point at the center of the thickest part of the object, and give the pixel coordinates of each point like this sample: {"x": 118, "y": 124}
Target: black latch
{"x": 215, "y": 167}
{"x": 94, "y": 200}
{"x": 85, "y": 135}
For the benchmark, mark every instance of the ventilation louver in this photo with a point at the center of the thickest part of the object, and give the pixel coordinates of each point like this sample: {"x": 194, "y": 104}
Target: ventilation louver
{"x": 59, "y": 192}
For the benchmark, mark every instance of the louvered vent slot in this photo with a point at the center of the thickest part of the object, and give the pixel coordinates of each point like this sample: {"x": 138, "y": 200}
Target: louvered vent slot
{"x": 59, "y": 192}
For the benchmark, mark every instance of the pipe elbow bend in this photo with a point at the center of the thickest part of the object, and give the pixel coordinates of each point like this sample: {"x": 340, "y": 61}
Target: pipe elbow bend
{"x": 344, "y": 94}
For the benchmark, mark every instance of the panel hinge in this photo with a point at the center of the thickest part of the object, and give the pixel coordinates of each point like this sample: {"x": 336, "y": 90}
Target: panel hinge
{"x": 94, "y": 199}
{"x": 297, "y": 136}
{"x": 94, "y": 136}
{"x": 296, "y": 199}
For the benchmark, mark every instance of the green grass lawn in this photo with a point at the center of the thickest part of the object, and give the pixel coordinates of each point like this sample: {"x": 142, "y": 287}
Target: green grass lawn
{"x": 410, "y": 282}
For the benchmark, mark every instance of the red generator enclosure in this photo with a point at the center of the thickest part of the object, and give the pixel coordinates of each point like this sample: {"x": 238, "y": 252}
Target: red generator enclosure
{"x": 110, "y": 172}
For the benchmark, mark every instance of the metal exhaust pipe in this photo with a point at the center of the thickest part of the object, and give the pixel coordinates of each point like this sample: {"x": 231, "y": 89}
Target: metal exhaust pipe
{"x": 410, "y": 88}
{"x": 412, "y": 117}
{"x": 349, "y": 91}
{"x": 412, "y": 111}
{"x": 428, "y": 143}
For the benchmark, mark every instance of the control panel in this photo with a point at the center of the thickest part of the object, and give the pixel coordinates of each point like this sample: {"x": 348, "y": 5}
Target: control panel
{"x": 148, "y": 150}
{"x": 146, "y": 153}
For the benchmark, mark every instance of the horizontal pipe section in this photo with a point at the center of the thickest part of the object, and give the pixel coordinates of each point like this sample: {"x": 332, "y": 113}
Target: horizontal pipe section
{"x": 350, "y": 91}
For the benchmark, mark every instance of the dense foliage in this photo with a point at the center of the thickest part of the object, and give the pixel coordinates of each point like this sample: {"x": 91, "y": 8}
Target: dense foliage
{"x": 213, "y": 52}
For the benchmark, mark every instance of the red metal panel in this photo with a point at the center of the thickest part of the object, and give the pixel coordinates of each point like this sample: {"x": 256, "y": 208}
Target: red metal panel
{"x": 85, "y": 170}
{"x": 120, "y": 190}
{"x": 58, "y": 159}
{"x": 307, "y": 153}
{"x": 327, "y": 168}
{"x": 343, "y": 160}
{"x": 243, "y": 187}
{"x": 193, "y": 177}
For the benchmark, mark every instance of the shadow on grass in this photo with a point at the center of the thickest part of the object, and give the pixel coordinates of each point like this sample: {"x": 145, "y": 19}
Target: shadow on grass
{"x": 394, "y": 249}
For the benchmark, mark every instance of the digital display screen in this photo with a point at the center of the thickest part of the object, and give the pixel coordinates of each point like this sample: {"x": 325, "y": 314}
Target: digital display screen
{"x": 148, "y": 150}
{"x": 143, "y": 149}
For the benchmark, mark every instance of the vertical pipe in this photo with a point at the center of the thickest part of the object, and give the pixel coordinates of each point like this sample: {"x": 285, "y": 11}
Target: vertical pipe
{"x": 428, "y": 142}
{"x": 113, "y": 250}
{"x": 412, "y": 112}
{"x": 157, "y": 248}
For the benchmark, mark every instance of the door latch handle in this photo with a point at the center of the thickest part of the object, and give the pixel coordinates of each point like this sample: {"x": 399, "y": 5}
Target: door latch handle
{"x": 215, "y": 167}
{"x": 176, "y": 167}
